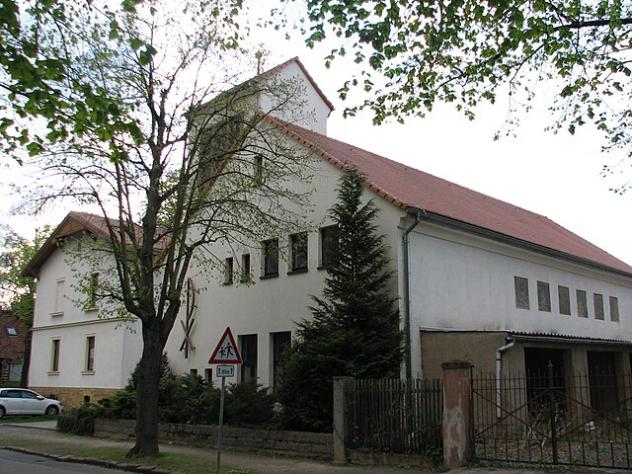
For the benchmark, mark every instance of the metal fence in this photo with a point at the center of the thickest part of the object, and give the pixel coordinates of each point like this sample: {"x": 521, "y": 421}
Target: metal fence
{"x": 549, "y": 418}
{"x": 394, "y": 416}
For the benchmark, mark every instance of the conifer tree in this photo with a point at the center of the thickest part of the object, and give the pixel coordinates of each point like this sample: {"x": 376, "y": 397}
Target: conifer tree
{"x": 355, "y": 326}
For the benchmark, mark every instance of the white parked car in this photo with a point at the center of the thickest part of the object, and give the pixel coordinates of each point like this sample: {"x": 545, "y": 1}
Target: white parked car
{"x": 19, "y": 401}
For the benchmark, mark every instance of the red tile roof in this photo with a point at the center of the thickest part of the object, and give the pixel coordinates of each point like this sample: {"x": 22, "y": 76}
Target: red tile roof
{"x": 11, "y": 347}
{"x": 408, "y": 187}
{"x": 77, "y": 222}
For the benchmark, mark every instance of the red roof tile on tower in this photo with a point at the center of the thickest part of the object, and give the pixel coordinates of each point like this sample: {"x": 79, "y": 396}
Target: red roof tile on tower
{"x": 408, "y": 187}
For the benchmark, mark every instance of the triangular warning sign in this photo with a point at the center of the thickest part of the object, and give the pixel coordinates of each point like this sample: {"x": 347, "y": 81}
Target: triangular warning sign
{"x": 226, "y": 351}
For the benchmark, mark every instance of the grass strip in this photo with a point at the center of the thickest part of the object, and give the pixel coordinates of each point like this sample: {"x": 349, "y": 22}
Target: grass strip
{"x": 179, "y": 463}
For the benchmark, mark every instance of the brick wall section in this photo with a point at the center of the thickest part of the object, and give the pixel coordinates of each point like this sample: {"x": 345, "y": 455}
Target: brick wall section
{"x": 72, "y": 397}
{"x": 290, "y": 443}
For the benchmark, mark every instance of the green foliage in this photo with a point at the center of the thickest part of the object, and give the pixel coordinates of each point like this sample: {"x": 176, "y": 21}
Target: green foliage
{"x": 355, "y": 325}
{"x": 122, "y": 405}
{"x": 417, "y": 54}
{"x": 191, "y": 399}
{"x": 248, "y": 404}
{"x": 79, "y": 421}
{"x": 19, "y": 290}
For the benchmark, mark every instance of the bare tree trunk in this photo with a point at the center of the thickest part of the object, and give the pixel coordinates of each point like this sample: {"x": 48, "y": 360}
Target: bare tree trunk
{"x": 147, "y": 386}
{"x": 26, "y": 360}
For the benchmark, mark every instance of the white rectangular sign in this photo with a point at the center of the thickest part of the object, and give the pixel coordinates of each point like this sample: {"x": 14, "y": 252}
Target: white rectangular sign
{"x": 225, "y": 370}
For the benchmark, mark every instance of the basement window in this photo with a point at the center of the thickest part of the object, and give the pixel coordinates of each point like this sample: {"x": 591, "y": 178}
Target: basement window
{"x": 544, "y": 297}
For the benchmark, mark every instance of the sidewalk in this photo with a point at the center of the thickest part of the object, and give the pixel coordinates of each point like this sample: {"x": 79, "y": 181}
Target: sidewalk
{"x": 48, "y": 441}
{"x": 43, "y": 438}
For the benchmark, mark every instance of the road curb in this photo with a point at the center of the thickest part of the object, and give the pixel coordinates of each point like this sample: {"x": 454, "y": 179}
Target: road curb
{"x": 26, "y": 425}
{"x": 95, "y": 462}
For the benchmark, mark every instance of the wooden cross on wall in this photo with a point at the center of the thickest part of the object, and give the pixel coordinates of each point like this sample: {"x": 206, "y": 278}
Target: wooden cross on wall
{"x": 189, "y": 321}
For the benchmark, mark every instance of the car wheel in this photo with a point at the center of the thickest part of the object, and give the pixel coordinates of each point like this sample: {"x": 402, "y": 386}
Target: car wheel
{"x": 2, "y": 412}
{"x": 52, "y": 410}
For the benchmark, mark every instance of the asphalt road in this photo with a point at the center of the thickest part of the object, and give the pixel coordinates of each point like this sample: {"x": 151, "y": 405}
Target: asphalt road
{"x": 19, "y": 463}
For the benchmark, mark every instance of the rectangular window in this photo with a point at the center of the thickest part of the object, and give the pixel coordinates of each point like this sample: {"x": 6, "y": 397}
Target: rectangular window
{"x": 521, "y": 287}
{"x": 614, "y": 309}
{"x": 258, "y": 170}
{"x": 208, "y": 375}
{"x": 544, "y": 296}
{"x": 54, "y": 361}
{"x": 92, "y": 291}
{"x": 59, "y": 297}
{"x": 245, "y": 268}
{"x": 598, "y": 303}
{"x": 564, "y": 296}
{"x": 193, "y": 372}
{"x": 582, "y": 304}
{"x": 280, "y": 343}
{"x": 271, "y": 258}
{"x": 248, "y": 349}
{"x": 328, "y": 246}
{"x": 228, "y": 271}
{"x": 90, "y": 340}
{"x": 298, "y": 249}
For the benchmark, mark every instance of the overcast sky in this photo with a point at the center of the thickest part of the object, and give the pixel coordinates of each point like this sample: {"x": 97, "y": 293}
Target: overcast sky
{"x": 554, "y": 175}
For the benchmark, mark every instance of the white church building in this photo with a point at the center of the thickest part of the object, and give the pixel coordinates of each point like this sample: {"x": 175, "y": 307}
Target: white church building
{"x": 476, "y": 278}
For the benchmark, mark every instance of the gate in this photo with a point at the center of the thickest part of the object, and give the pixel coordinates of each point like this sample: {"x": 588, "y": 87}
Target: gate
{"x": 548, "y": 418}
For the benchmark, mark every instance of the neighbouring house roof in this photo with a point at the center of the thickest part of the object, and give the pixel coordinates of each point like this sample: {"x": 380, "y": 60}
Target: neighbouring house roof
{"x": 408, "y": 187}
{"x": 11, "y": 346}
{"x": 76, "y": 222}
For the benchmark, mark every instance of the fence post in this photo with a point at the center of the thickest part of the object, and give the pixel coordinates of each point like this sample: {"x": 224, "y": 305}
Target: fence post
{"x": 457, "y": 415}
{"x": 340, "y": 420}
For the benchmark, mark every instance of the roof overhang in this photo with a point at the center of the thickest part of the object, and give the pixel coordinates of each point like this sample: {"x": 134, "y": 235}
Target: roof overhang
{"x": 562, "y": 339}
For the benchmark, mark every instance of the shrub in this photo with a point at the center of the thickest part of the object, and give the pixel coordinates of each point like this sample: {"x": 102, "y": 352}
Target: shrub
{"x": 191, "y": 399}
{"x": 121, "y": 405}
{"x": 248, "y": 404}
{"x": 188, "y": 399}
{"x": 79, "y": 421}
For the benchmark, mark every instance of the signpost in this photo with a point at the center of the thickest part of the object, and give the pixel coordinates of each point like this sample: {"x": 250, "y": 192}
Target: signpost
{"x": 226, "y": 353}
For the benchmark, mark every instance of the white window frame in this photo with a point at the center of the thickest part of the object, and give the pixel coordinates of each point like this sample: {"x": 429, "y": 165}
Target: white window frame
{"x": 86, "y": 368}
{"x": 55, "y": 341}
{"x": 58, "y": 302}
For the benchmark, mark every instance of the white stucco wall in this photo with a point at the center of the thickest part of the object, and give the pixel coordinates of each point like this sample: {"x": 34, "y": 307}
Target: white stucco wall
{"x": 117, "y": 348}
{"x": 268, "y": 305}
{"x": 309, "y": 111}
{"x": 466, "y": 283}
